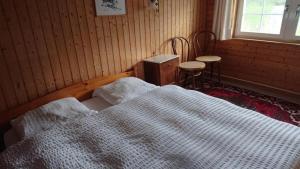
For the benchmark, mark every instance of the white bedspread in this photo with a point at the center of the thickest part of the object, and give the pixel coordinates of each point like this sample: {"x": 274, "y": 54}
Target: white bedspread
{"x": 168, "y": 127}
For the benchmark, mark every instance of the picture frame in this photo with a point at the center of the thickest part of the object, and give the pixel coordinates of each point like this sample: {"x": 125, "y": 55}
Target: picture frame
{"x": 110, "y": 7}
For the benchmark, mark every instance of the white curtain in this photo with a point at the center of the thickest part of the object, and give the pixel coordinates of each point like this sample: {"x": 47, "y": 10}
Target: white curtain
{"x": 223, "y": 22}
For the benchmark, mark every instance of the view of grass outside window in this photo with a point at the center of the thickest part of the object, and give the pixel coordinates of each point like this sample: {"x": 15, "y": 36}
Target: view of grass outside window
{"x": 263, "y": 16}
{"x": 298, "y": 28}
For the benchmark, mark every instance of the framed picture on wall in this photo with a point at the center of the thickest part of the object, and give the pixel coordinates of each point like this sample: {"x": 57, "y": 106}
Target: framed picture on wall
{"x": 110, "y": 7}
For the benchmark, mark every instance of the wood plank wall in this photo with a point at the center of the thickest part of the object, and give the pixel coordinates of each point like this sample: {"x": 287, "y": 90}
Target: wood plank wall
{"x": 47, "y": 45}
{"x": 269, "y": 63}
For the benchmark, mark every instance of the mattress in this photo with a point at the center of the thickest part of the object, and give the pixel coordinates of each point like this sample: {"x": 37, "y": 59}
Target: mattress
{"x": 96, "y": 103}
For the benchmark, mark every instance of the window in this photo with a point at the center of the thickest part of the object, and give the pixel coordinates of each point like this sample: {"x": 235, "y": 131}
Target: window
{"x": 270, "y": 19}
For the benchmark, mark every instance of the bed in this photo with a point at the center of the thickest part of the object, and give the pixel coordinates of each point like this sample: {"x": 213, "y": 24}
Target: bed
{"x": 97, "y": 104}
{"x": 157, "y": 127}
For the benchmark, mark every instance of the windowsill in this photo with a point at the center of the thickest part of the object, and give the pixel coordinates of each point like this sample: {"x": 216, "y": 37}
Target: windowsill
{"x": 296, "y": 43}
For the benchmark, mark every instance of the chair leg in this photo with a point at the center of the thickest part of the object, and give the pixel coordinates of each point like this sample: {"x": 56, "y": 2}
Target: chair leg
{"x": 186, "y": 78}
{"x": 202, "y": 80}
{"x": 219, "y": 72}
{"x": 211, "y": 70}
{"x": 194, "y": 80}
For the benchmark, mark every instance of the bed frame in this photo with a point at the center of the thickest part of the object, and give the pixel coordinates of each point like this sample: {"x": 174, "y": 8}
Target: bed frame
{"x": 81, "y": 91}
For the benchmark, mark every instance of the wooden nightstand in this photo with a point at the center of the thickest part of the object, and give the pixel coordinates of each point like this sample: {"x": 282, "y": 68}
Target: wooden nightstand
{"x": 161, "y": 69}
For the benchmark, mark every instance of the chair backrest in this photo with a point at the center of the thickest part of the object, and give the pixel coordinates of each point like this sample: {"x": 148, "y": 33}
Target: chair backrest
{"x": 184, "y": 48}
{"x": 204, "y": 43}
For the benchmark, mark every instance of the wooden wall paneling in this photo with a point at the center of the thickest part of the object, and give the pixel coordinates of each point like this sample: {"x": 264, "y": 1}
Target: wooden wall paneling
{"x": 188, "y": 17}
{"x": 165, "y": 46}
{"x": 121, "y": 41}
{"x": 68, "y": 37}
{"x": 157, "y": 30}
{"x": 131, "y": 27}
{"x": 127, "y": 42}
{"x": 142, "y": 40}
{"x": 90, "y": 15}
{"x": 192, "y": 16}
{"x": 161, "y": 26}
{"x": 147, "y": 29}
{"x": 115, "y": 44}
{"x": 6, "y": 84}
{"x": 102, "y": 46}
{"x": 169, "y": 22}
{"x": 200, "y": 7}
{"x": 50, "y": 42}
{"x": 173, "y": 17}
{"x": 40, "y": 43}
{"x": 195, "y": 17}
{"x": 177, "y": 23}
{"x": 184, "y": 21}
{"x": 192, "y": 27}
{"x": 137, "y": 29}
{"x": 292, "y": 78}
{"x": 108, "y": 44}
{"x": 181, "y": 17}
{"x": 152, "y": 14}
{"x": 265, "y": 63}
{"x": 33, "y": 57}
{"x": 77, "y": 39}
{"x": 20, "y": 50}
{"x": 292, "y": 60}
{"x": 10, "y": 58}
{"x": 209, "y": 13}
{"x": 85, "y": 38}
{"x": 60, "y": 42}
{"x": 203, "y": 17}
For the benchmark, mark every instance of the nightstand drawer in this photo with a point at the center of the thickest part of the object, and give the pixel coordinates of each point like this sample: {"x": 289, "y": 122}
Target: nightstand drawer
{"x": 170, "y": 65}
{"x": 161, "y": 70}
{"x": 168, "y": 71}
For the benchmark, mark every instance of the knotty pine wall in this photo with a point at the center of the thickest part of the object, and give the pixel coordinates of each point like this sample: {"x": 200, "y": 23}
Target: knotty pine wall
{"x": 269, "y": 63}
{"x": 47, "y": 45}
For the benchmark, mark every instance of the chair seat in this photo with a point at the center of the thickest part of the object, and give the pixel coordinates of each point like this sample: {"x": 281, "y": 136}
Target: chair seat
{"x": 192, "y": 65}
{"x": 209, "y": 59}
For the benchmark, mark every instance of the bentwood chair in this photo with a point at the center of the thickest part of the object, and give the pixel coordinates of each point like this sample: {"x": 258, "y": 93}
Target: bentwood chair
{"x": 204, "y": 44}
{"x": 188, "y": 68}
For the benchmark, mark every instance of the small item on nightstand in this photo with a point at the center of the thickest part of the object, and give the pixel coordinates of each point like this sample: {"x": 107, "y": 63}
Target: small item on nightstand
{"x": 161, "y": 69}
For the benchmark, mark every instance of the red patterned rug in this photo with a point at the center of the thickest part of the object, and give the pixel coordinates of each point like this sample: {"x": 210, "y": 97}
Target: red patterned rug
{"x": 267, "y": 105}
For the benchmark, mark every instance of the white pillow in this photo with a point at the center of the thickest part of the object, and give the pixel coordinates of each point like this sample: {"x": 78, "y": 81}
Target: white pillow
{"x": 123, "y": 90}
{"x": 46, "y": 116}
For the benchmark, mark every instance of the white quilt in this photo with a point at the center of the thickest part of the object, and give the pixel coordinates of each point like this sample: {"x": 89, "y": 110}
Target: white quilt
{"x": 168, "y": 127}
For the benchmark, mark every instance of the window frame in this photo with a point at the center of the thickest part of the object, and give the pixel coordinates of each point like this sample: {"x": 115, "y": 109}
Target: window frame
{"x": 288, "y": 27}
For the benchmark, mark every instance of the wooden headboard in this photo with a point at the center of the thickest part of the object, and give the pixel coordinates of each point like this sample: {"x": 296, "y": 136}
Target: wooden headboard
{"x": 81, "y": 91}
